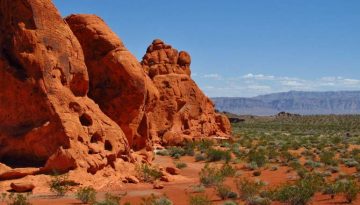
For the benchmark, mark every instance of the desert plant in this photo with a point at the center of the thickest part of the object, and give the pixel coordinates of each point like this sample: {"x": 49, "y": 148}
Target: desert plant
{"x": 147, "y": 173}
{"x": 248, "y": 189}
{"x": 227, "y": 170}
{"x": 199, "y": 200}
{"x": 86, "y": 195}
{"x": 200, "y": 157}
{"x": 301, "y": 192}
{"x": 223, "y": 191}
{"x": 210, "y": 176}
{"x": 348, "y": 187}
{"x": 180, "y": 165}
{"x": 257, "y": 156}
{"x": 327, "y": 158}
{"x": 18, "y": 199}
{"x": 60, "y": 184}
{"x": 214, "y": 155}
{"x": 257, "y": 200}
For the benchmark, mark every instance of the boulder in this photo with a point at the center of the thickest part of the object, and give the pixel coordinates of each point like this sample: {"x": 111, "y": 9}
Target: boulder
{"x": 172, "y": 170}
{"x": 22, "y": 187}
{"x": 158, "y": 185}
{"x": 117, "y": 81}
{"x": 46, "y": 118}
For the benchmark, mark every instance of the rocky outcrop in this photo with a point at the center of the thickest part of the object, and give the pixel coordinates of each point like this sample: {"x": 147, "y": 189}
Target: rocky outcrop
{"x": 183, "y": 111}
{"x": 46, "y": 118}
{"x": 117, "y": 81}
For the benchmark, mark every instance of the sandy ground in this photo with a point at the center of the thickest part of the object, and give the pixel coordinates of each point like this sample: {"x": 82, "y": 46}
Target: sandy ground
{"x": 179, "y": 189}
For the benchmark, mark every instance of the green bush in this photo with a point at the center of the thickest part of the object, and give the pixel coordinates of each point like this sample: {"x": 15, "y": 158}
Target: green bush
{"x": 200, "y": 157}
{"x": 176, "y": 152}
{"x": 18, "y": 199}
{"x": 248, "y": 189}
{"x": 210, "y": 176}
{"x": 227, "y": 170}
{"x": 327, "y": 158}
{"x": 86, "y": 195}
{"x": 180, "y": 165}
{"x": 258, "y": 157}
{"x": 60, "y": 184}
{"x": 199, "y": 200}
{"x": 257, "y": 200}
{"x": 223, "y": 191}
{"x": 301, "y": 192}
{"x": 147, "y": 173}
{"x": 214, "y": 155}
{"x": 348, "y": 187}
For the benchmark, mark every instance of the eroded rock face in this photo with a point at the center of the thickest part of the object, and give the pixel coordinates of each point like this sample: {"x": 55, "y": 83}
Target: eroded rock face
{"x": 46, "y": 117}
{"x": 117, "y": 81}
{"x": 183, "y": 111}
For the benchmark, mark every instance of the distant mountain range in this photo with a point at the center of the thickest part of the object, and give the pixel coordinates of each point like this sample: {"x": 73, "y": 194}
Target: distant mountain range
{"x": 300, "y": 102}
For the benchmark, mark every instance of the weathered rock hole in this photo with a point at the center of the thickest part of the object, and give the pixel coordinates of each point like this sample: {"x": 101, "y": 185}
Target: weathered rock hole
{"x": 80, "y": 139}
{"x": 108, "y": 146}
{"x": 75, "y": 106}
{"x": 96, "y": 138}
{"x": 86, "y": 120}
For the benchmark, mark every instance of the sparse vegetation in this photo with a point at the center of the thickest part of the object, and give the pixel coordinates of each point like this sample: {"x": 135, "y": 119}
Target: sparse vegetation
{"x": 147, "y": 173}
{"x": 60, "y": 184}
{"x": 199, "y": 200}
{"x": 86, "y": 195}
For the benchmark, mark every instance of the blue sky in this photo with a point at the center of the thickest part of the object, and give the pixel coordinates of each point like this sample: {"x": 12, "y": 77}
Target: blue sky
{"x": 245, "y": 48}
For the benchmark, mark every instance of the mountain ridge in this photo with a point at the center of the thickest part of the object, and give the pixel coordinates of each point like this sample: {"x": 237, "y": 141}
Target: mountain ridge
{"x": 300, "y": 102}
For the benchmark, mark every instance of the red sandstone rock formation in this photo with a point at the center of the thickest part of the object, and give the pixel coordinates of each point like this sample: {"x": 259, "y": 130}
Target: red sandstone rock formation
{"x": 45, "y": 114}
{"x": 117, "y": 81}
{"x": 183, "y": 111}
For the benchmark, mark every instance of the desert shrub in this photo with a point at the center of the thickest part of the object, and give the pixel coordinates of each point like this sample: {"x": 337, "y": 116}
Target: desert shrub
{"x": 258, "y": 157}
{"x": 348, "y": 187}
{"x": 227, "y": 170}
{"x": 156, "y": 200}
{"x": 189, "y": 148}
{"x": 252, "y": 166}
{"x": 350, "y": 162}
{"x": 248, "y": 189}
{"x": 204, "y": 145}
{"x": 176, "y": 152}
{"x": 180, "y": 165}
{"x": 199, "y": 200}
{"x": 223, "y": 191}
{"x": 257, "y": 200}
{"x": 327, "y": 158}
{"x": 163, "y": 152}
{"x": 200, "y": 157}
{"x": 214, "y": 155}
{"x": 111, "y": 199}
{"x": 210, "y": 176}
{"x": 86, "y": 195}
{"x": 312, "y": 164}
{"x": 301, "y": 192}
{"x": 147, "y": 173}
{"x": 60, "y": 184}
{"x": 18, "y": 199}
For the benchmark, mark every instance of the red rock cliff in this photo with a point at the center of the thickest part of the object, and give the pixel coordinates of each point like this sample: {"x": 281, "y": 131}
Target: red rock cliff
{"x": 117, "y": 81}
{"x": 183, "y": 111}
{"x": 45, "y": 114}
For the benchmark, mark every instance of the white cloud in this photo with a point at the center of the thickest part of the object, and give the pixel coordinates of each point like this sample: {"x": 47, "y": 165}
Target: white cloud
{"x": 258, "y": 76}
{"x": 255, "y": 84}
